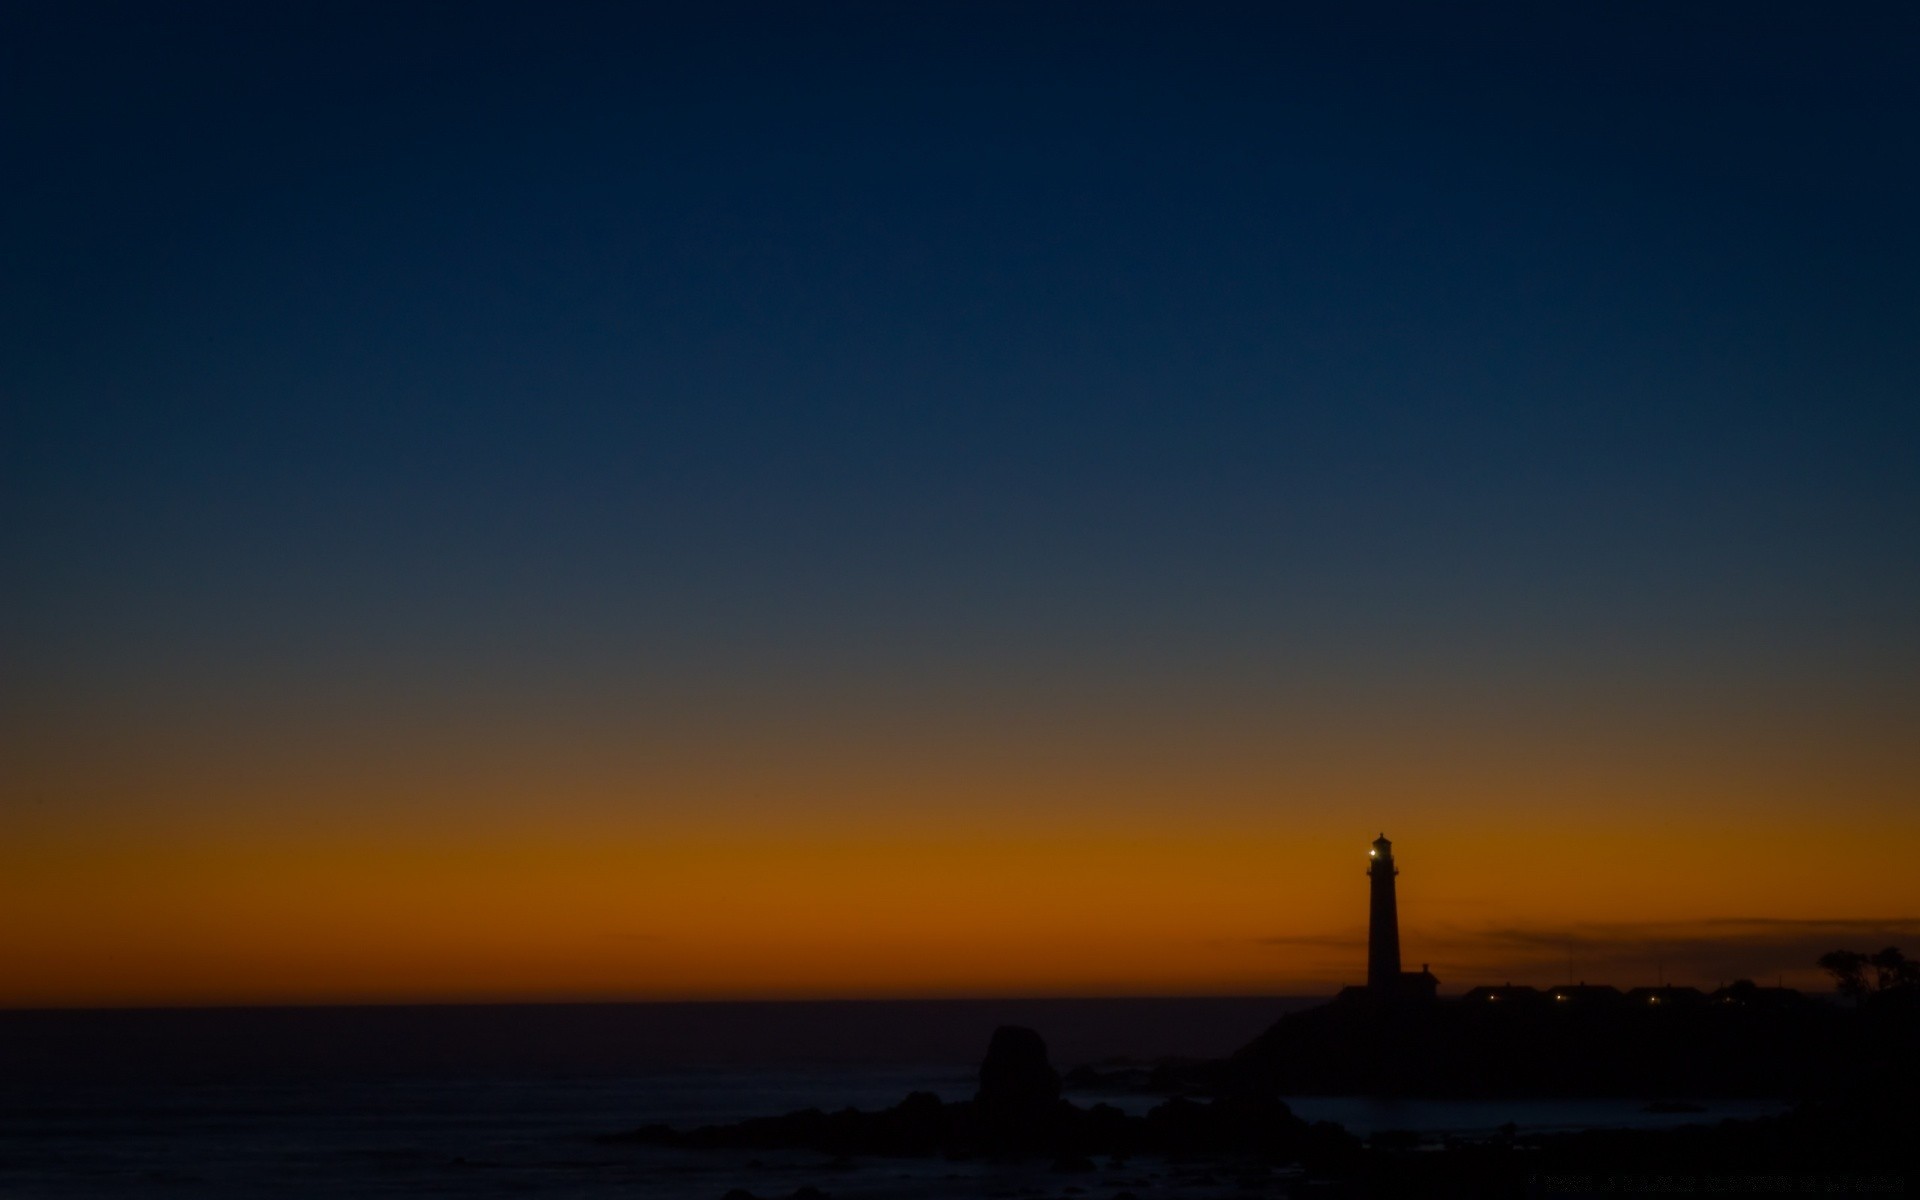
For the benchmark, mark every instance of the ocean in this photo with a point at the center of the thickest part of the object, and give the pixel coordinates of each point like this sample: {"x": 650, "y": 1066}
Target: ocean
{"x": 509, "y": 1100}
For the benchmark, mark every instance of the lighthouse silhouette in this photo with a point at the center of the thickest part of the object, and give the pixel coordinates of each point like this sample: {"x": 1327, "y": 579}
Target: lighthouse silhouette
{"x": 1385, "y": 979}
{"x": 1383, "y": 927}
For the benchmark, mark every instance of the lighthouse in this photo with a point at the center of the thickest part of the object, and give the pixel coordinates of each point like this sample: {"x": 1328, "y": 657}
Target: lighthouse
{"x": 1383, "y": 927}
{"x": 1387, "y": 984}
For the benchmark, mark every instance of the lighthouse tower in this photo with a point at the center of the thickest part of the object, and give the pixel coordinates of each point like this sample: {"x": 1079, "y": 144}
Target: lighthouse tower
{"x": 1383, "y": 929}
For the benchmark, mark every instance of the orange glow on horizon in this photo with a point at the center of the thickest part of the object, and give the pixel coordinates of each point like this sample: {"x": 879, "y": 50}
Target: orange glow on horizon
{"x": 520, "y": 914}
{"x": 939, "y": 846}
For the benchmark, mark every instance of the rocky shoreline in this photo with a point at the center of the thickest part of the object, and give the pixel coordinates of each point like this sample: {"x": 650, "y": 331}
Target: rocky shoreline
{"x": 1243, "y": 1139}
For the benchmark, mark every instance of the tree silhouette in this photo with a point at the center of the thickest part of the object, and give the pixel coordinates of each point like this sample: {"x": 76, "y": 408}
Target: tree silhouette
{"x": 1892, "y": 973}
{"x": 1892, "y": 970}
{"x": 1849, "y": 971}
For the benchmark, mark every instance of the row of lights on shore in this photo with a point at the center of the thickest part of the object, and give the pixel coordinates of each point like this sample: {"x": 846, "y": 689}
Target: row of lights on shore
{"x": 1561, "y": 996}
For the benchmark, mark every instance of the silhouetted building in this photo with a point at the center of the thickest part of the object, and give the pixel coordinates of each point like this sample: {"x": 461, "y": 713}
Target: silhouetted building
{"x": 1587, "y": 995}
{"x": 1417, "y": 985}
{"x": 1511, "y": 993}
{"x": 1666, "y": 996}
{"x": 1385, "y": 979}
{"x": 1748, "y": 994}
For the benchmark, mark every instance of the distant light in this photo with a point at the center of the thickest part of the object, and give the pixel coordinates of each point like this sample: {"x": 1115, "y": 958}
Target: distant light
{"x": 1559, "y": 996}
{"x": 1373, "y": 853}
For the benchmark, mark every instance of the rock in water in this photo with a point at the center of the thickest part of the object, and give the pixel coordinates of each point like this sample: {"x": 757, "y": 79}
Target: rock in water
{"x": 1017, "y": 1083}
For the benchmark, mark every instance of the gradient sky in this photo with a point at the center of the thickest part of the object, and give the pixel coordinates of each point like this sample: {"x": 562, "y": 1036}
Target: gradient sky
{"x": 607, "y": 500}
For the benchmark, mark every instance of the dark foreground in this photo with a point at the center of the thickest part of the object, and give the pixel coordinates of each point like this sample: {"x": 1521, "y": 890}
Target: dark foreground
{"x": 1859, "y": 1135}
{"x": 1251, "y": 1146}
{"x": 488, "y": 1103}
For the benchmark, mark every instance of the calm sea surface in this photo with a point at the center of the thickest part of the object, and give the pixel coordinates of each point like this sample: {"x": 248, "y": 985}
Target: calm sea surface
{"x": 495, "y": 1101}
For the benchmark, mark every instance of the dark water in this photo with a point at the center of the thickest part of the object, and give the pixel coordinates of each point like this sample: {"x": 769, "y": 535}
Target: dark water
{"x": 547, "y": 1040}
{"x": 495, "y": 1101}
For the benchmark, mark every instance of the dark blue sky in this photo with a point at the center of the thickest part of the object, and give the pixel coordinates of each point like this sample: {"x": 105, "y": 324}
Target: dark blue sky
{"x": 538, "y": 357}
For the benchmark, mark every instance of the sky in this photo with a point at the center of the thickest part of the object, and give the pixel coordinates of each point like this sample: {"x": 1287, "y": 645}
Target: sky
{"x": 580, "y": 500}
